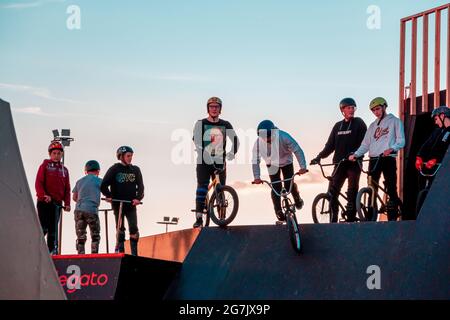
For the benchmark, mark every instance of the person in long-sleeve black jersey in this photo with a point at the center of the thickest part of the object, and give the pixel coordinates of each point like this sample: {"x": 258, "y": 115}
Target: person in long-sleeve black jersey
{"x": 123, "y": 181}
{"x": 345, "y": 138}
{"x": 433, "y": 150}
{"x": 210, "y": 139}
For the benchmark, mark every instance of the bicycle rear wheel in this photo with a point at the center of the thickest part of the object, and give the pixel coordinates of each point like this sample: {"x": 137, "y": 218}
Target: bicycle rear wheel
{"x": 366, "y": 211}
{"x": 223, "y": 206}
{"x": 294, "y": 232}
{"x": 321, "y": 208}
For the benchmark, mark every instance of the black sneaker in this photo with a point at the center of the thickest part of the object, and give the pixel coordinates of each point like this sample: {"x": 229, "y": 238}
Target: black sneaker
{"x": 280, "y": 216}
{"x": 198, "y": 223}
{"x": 298, "y": 202}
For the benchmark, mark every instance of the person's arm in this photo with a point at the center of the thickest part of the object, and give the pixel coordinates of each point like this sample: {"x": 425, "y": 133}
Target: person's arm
{"x": 362, "y": 131}
{"x": 67, "y": 191}
{"x": 399, "y": 136}
{"x": 75, "y": 192}
{"x": 233, "y": 137}
{"x": 329, "y": 145}
{"x": 294, "y": 147}
{"x": 140, "y": 184}
{"x": 364, "y": 147}
{"x": 39, "y": 184}
{"x": 425, "y": 149}
{"x": 256, "y": 160}
{"x": 106, "y": 183}
{"x": 198, "y": 136}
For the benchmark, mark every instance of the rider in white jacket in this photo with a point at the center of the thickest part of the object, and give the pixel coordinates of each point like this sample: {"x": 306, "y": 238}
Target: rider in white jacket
{"x": 384, "y": 138}
{"x": 277, "y": 148}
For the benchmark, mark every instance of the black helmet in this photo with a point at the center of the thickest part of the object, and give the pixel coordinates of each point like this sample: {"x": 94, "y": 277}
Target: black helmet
{"x": 439, "y": 110}
{"x": 92, "y": 165}
{"x": 347, "y": 102}
{"x": 122, "y": 150}
{"x": 266, "y": 125}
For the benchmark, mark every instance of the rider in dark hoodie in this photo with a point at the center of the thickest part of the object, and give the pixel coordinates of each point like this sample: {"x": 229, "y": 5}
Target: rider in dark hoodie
{"x": 123, "y": 181}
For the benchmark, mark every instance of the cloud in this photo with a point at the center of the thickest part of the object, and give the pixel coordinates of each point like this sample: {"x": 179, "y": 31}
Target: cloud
{"x": 35, "y": 91}
{"x": 31, "y": 110}
{"x": 27, "y": 5}
{"x": 38, "y": 111}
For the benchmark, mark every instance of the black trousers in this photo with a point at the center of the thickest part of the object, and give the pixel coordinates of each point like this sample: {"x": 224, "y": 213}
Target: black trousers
{"x": 49, "y": 219}
{"x": 205, "y": 172}
{"x": 352, "y": 172}
{"x": 387, "y": 166}
{"x": 288, "y": 172}
{"x": 128, "y": 212}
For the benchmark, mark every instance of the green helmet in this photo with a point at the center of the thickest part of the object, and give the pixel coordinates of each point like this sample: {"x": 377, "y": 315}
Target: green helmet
{"x": 347, "y": 102}
{"x": 379, "y": 101}
{"x": 91, "y": 165}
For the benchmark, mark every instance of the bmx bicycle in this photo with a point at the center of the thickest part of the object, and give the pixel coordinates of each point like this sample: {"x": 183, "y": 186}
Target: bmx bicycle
{"x": 223, "y": 204}
{"x": 321, "y": 206}
{"x": 288, "y": 211}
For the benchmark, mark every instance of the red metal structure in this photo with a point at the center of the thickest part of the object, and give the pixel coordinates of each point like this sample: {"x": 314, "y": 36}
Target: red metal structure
{"x": 412, "y": 105}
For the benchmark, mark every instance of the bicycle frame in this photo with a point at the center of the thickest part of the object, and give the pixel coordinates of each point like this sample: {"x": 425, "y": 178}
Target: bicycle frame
{"x": 372, "y": 184}
{"x": 427, "y": 176}
{"x": 284, "y": 194}
{"x": 330, "y": 177}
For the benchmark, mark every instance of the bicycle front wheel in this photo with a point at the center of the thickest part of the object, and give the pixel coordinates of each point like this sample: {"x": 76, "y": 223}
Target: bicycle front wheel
{"x": 321, "y": 208}
{"x": 366, "y": 211}
{"x": 294, "y": 232}
{"x": 223, "y": 206}
{"x": 207, "y": 219}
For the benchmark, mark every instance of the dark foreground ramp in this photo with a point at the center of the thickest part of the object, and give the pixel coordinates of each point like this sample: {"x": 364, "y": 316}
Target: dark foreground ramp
{"x": 26, "y": 270}
{"x": 340, "y": 261}
{"x": 114, "y": 276}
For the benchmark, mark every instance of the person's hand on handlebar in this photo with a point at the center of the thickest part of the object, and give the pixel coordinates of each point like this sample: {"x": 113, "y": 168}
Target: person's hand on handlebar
{"x": 135, "y": 202}
{"x": 430, "y": 163}
{"x": 352, "y": 157}
{"x": 387, "y": 152}
{"x": 302, "y": 171}
{"x": 419, "y": 162}
{"x": 257, "y": 181}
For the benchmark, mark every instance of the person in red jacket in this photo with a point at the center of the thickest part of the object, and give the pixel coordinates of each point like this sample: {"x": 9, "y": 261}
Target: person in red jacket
{"x": 52, "y": 189}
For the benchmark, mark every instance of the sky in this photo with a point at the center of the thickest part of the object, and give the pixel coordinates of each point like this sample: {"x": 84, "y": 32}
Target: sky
{"x": 139, "y": 73}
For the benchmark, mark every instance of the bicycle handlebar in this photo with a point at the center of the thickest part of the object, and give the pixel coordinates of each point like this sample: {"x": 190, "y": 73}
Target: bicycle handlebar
{"x": 337, "y": 164}
{"x": 270, "y": 184}
{"x": 438, "y": 166}
{"x": 124, "y": 201}
{"x": 360, "y": 160}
